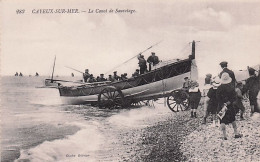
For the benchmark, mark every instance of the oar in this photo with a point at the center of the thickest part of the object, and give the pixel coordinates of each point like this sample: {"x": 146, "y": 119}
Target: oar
{"x": 74, "y": 69}
{"x": 134, "y": 56}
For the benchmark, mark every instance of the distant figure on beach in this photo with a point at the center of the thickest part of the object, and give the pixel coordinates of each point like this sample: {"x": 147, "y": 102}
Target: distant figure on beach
{"x": 142, "y": 64}
{"x": 16, "y": 74}
{"x": 238, "y": 105}
{"x": 20, "y": 74}
{"x": 152, "y": 60}
{"x": 226, "y": 95}
{"x": 252, "y": 86}
{"x": 72, "y": 75}
{"x": 194, "y": 98}
{"x": 212, "y": 103}
{"x": 223, "y": 65}
{"x": 86, "y": 75}
{"x": 136, "y": 73}
{"x": 36, "y": 74}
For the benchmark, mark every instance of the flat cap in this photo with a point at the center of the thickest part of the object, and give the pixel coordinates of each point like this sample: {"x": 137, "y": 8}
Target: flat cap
{"x": 223, "y": 63}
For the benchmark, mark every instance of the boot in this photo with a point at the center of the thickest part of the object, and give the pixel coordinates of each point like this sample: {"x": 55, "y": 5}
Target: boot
{"x": 195, "y": 115}
{"x": 191, "y": 115}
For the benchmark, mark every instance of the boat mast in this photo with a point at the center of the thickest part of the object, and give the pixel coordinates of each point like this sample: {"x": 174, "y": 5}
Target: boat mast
{"x": 193, "y": 50}
{"x": 53, "y": 70}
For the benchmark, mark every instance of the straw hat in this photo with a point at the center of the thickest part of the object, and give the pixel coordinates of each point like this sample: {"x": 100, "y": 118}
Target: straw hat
{"x": 225, "y": 78}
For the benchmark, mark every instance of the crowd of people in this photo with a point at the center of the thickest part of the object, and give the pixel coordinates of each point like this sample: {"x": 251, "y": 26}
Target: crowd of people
{"x": 223, "y": 96}
{"x": 152, "y": 61}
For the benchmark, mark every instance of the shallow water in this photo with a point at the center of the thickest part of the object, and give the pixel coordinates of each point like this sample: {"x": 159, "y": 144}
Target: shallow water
{"x": 36, "y": 126}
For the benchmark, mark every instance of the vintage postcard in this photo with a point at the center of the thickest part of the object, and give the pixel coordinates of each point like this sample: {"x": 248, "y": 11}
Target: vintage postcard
{"x": 99, "y": 80}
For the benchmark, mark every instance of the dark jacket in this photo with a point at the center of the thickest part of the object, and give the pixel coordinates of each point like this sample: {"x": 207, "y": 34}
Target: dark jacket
{"x": 231, "y": 74}
{"x": 153, "y": 59}
{"x": 252, "y": 85}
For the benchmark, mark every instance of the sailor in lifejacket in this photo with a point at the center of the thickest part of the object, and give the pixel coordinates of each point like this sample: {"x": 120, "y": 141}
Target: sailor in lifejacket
{"x": 152, "y": 60}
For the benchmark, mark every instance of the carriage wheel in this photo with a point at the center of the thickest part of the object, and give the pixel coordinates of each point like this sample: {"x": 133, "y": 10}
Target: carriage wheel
{"x": 111, "y": 98}
{"x": 178, "y": 101}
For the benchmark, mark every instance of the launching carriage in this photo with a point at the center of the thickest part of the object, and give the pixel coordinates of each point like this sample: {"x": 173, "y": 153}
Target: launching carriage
{"x": 164, "y": 81}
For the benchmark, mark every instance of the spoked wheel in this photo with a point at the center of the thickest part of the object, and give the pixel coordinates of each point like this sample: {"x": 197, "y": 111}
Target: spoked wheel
{"x": 178, "y": 101}
{"x": 141, "y": 103}
{"x": 111, "y": 98}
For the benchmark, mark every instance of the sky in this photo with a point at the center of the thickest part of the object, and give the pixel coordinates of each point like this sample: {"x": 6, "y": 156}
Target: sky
{"x": 224, "y": 31}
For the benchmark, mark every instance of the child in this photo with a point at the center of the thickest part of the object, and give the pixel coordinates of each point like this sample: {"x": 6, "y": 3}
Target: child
{"x": 194, "y": 99}
{"x": 238, "y": 105}
{"x": 212, "y": 103}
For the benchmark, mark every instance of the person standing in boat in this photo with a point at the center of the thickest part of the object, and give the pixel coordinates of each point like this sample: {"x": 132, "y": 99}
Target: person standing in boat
{"x": 223, "y": 65}
{"x": 152, "y": 60}
{"x": 142, "y": 64}
{"x": 86, "y": 75}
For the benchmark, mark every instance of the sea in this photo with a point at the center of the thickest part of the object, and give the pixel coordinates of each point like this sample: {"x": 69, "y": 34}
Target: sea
{"x": 37, "y": 126}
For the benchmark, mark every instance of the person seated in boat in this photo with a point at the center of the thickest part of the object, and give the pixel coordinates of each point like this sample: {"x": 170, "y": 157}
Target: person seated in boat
{"x": 101, "y": 78}
{"x": 136, "y": 73}
{"x": 123, "y": 76}
{"x": 110, "y": 78}
{"x": 142, "y": 64}
{"x": 152, "y": 60}
{"x": 91, "y": 79}
{"x": 115, "y": 76}
{"x": 86, "y": 75}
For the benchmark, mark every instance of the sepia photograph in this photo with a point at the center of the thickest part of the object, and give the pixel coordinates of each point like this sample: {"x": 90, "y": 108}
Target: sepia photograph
{"x": 147, "y": 80}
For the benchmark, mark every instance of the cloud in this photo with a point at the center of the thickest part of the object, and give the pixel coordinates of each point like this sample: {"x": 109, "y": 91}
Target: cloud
{"x": 210, "y": 19}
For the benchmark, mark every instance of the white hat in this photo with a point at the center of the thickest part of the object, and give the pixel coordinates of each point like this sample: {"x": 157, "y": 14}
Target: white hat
{"x": 225, "y": 78}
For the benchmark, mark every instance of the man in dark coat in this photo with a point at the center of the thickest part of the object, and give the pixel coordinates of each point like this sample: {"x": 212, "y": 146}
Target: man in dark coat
{"x": 152, "y": 60}
{"x": 252, "y": 86}
{"x": 223, "y": 65}
{"x": 142, "y": 64}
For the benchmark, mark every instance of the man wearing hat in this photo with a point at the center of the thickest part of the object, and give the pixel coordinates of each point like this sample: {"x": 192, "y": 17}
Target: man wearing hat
{"x": 110, "y": 78}
{"x": 115, "y": 76}
{"x": 252, "y": 86}
{"x": 136, "y": 73}
{"x": 102, "y": 79}
{"x": 142, "y": 63}
{"x": 152, "y": 60}
{"x": 86, "y": 75}
{"x": 223, "y": 65}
